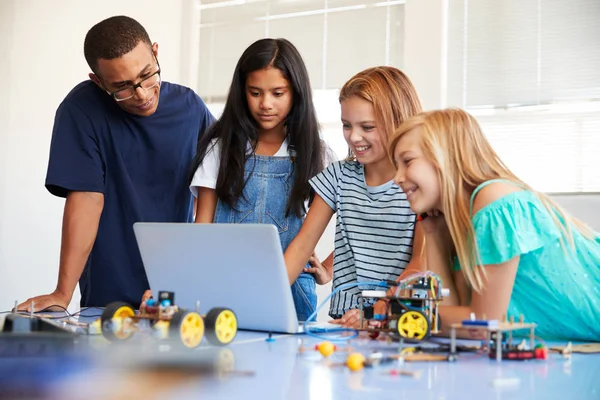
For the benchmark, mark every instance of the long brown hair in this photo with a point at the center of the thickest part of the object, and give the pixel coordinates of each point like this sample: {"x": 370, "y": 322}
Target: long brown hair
{"x": 236, "y": 126}
{"x": 392, "y": 94}
{"x": 454, "y": 142}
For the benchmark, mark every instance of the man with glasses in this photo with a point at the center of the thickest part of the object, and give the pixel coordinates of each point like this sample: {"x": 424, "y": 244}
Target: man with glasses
{"x": 121, "y": 149}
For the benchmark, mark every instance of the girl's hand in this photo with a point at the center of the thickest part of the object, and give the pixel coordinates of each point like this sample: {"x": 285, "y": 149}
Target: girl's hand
{"x": 350, "y": 320}
{"x": 433, "y": 222}
{"x": 321, "y": 273}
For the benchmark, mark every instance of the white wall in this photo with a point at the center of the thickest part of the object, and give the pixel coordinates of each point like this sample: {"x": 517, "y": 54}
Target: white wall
{"x": 42, "y": 46}
{"x": 425, "y": 49}
{"x": 6, "y": 27}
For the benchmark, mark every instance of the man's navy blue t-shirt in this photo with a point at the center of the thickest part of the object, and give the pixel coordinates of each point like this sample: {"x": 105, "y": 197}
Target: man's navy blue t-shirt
{"x": 141, "y": 166}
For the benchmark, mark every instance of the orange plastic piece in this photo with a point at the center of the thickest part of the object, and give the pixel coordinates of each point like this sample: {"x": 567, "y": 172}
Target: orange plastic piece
{"x": 355, "y": 361}
{"x": 326, "y": 348}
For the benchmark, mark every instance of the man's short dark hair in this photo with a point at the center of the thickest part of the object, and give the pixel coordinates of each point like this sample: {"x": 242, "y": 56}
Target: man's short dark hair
{"x": 113, "y": 38}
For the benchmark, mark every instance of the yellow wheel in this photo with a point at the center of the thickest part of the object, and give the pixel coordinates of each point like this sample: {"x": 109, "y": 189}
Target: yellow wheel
{"x": 187, "y": 328}
{"x": 413, "y": 325}
{"x": 221, "y": 326}
{"x": 116, "y": 320}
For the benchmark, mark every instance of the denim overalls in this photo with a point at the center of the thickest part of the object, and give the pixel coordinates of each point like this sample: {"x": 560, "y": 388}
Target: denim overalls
{"x": 268, "y": 185}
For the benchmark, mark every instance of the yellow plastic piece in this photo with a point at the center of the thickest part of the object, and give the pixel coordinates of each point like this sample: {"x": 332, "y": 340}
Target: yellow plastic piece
{"x": 226, "y": 326}
{"x": 95, "y": 327}
{"x": 124, "y": 330}
{"x": 192, "y": 330}
{"x": 412, "y": 325}
{"x": 326, "y": 348}
{"x": 355, "y": 361}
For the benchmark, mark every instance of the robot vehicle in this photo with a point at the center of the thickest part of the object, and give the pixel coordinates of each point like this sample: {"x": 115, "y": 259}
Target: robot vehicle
{"x": 119, "y": 322}
{"x": 411, "y": 312}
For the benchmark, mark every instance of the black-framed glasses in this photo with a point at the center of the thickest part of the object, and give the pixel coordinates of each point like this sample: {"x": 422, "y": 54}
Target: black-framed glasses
{"x": 147, "y": 83}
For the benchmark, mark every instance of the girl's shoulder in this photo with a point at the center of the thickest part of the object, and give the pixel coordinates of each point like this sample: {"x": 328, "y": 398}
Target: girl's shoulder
{"x": 509, "y": 223}
{"x": 491, "y": 193}
{"x": 346, "y": 166}
{"x": 213, "y": 148}
{"x": 338, "y": 172}
{"x": 352, "y": 166}
{"x": 349, "y": 168}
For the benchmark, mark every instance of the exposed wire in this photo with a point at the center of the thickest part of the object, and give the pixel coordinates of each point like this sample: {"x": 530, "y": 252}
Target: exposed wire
{"x": 404, "y": 283}
{"x": 48, "y": 309}
{"x": 401, "y": 285}
{"x": 354, "y": 332}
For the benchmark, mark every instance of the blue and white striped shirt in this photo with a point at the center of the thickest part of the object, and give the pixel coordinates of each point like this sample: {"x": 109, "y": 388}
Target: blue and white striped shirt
{"x": 374, "y": 230}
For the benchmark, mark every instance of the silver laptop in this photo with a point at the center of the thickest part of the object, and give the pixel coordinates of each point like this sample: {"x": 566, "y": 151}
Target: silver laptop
{"x": 239, "y": 266}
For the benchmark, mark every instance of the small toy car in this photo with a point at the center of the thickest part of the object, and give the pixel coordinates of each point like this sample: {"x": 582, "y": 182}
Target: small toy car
{"x": 119, "y": 321}
{"x": 411, "y": 313}
{"x": 499, "y": 338}
{"x": 521, "y": 351}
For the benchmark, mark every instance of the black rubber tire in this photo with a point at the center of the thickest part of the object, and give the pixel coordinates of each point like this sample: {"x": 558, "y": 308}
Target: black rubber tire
{"x": 106, "y": 320}
{"x": 175, "y": 328}
{"x": 210, "y": 322}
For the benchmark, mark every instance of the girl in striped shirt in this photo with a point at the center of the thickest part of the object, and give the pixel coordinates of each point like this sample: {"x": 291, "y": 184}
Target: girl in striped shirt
{"x": 375, "y": 229}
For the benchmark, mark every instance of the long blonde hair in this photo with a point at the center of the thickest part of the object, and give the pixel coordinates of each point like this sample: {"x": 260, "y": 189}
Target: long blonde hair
{"x": 454, "y": 142}
{"x": 392, "y": 94}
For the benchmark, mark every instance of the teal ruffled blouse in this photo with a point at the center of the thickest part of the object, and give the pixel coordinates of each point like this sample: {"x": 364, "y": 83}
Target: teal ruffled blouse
{"x": 556, "y": 286}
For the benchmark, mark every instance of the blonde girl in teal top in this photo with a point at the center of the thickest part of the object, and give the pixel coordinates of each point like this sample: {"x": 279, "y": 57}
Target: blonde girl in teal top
{"x": 502, "y": 248}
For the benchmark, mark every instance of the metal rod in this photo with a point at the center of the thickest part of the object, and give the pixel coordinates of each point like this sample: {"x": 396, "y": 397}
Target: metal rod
{"x": 531, "y": 337}
{"x": 498, "y": 346}
{"x": 360, "y": 305}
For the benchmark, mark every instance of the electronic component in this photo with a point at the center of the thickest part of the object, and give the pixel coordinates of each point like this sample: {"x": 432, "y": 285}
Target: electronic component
{"x": 412, "y": 309}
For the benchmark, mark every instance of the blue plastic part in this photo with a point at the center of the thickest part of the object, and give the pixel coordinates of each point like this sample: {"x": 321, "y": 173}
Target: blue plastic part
{"x": 480, "y": 322}
{"x": 379, "y": 317}
{"x": 317, "y": 329}
{"x": 150, "y": 302}
{"x": 165, "y": 303}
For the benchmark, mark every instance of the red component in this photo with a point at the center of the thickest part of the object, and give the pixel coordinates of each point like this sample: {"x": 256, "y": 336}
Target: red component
{"x": 541, "y": 353}
{"x": 515, "y": 355}
{"x": 317, "y": 347}
{"x": 526, "y": 355}
{"x": 375, "y": 324}
{"x": 151, "y": 309}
